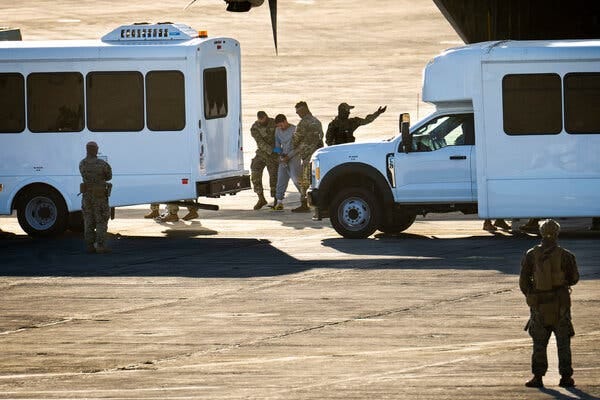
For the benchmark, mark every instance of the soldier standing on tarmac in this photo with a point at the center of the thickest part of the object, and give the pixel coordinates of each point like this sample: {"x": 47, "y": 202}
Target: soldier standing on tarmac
{"x": 547, "y": 273}
{"x": 306, "y": 140}
{"x": 95, "y": 191}
{"x": 263, "y": 132}
{"x": 341, "y": 129}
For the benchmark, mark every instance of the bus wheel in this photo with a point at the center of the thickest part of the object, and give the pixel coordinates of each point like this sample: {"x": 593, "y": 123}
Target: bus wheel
{"x": 41, "y": 211}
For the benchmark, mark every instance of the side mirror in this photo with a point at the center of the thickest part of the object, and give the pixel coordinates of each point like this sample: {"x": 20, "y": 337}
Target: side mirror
{"x": 404, "y": 122}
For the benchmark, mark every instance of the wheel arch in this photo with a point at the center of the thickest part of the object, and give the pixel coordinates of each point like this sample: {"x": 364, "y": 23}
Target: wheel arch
{"x": 354, "y": 174}
{"x": 28, "y": 185}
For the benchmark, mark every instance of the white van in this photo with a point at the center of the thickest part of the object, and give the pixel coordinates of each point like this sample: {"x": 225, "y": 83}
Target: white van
{"x": 515, "y": 134}
{"x": 162, "y": 101}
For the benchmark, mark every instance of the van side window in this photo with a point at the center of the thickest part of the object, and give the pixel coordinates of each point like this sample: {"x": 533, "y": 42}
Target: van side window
{"x": 446, "y": 130}
{"x": 532, "y": 104}
{"x": 582, "y": 103}
{"x": 55, "y": 102}
{"x": 165, "y": 100}
{"x": 115, "y": 101}
{"x": 215, "y": 93}
{"x": 12, "y": 103}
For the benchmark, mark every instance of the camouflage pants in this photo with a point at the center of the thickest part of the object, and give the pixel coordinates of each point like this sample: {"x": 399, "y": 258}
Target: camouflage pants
{"x": 95, "y": 218}
{"x": 305, "y": 179}
{"x": 563, "y": 331}
{"x": 257, "y": 167}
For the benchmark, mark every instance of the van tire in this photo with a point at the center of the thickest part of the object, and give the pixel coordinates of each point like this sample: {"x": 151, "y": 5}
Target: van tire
{"x": 400, "y": 222}
{"x": 355, "y": 213}
{"x": 42, "y": 212}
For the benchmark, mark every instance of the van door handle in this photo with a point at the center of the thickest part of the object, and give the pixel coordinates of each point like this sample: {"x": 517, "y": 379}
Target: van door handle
{"x": 458, "y": 157}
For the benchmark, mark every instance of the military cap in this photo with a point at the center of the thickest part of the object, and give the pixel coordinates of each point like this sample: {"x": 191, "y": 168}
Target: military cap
{"x": 91, "y": 144}
{"x": 345, "y": 106}
{"x": 549, "y": 228}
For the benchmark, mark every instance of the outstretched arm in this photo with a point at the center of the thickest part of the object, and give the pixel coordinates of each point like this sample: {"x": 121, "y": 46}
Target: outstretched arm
{"x": 371, "y": 117}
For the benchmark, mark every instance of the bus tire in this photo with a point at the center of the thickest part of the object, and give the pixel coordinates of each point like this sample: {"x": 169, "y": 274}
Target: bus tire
{"x": 42, "y": 212}
{"x": 354, "y": 213}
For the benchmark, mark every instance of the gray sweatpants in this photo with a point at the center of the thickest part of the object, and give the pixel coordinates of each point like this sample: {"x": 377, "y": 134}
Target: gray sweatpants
{"x": 293, "y": 170}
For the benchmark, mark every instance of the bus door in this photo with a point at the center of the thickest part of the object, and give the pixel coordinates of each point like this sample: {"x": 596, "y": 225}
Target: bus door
{"x": 220, "y": 120}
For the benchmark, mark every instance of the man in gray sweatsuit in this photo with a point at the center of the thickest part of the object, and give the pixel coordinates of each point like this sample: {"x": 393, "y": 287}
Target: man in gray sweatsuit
{"x": 289, "y": 162}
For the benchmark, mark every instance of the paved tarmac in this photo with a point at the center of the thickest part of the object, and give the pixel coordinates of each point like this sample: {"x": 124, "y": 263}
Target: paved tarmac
{"x": 245, "y": 304}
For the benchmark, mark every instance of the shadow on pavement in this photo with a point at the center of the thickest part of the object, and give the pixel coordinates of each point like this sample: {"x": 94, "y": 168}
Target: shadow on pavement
{"x": 184, "y": 254}
{"x": 576, "y": 394}
{"x": 501, "y": 253}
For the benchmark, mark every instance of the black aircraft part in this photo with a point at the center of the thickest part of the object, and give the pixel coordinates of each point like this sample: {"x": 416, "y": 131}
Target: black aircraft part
{"x": 273, "y": 11}
{"x": 483, "y": 20}
{"x": 239, "y": 6}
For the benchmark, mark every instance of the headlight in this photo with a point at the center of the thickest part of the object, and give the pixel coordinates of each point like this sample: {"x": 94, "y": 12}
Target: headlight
{"x": 316, "y": 172}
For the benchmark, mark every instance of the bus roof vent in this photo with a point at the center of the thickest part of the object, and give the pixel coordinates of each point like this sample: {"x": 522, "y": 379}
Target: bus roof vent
{"x": 162, "y": 31}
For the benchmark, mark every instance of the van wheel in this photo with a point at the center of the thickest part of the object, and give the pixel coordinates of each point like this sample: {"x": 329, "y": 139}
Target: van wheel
{"x": 400, "y": 222}
{"x": 354, "y": 213}
{"x": 41, "y": 211}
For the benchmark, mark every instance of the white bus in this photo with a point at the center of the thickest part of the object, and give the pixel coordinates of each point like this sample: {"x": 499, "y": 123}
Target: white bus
{"x": 162, "y": 101}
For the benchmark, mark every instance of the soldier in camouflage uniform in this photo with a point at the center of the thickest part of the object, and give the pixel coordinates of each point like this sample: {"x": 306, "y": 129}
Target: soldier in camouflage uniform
{"x": 341, "y": 129}
{"x": 547, "y": 273}
{"x": 306, "y": 140}
{"x": 95, "y": 191}
{"x": 263, "y": 131}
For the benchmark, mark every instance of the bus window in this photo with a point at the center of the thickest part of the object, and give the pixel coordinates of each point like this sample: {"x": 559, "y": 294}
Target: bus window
{"x": 165, "y": 100}
{"x": 215, "y": 93}
{"x": 55, "y": 102}
{"x": 532, "y": 104}
{"x": 115, "y": 101}
{"x": 582, "y": 102}
{"x": 12, "y": 103}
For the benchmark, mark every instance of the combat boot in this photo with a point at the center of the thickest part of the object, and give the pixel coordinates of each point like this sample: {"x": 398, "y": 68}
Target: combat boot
{"x": 90, "y": 249}
{"x": 192, "y": 214}
{"x": 487, "y": 226}
{"x": 101, "y": 249}
{"x": 169, "y": 218}
{"x": 566, "y": 382}
{"x": 500, "y": 223}
{"x": 532, "y": 226}
{"x": 152, "y": 214}
{"x": 535, "y": 382}
{"x": 261, "y": 202}
{"x": 302, "y": 209}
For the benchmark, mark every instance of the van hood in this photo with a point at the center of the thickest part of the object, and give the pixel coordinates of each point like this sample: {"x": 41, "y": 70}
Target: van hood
{"x": 355, "y": 150}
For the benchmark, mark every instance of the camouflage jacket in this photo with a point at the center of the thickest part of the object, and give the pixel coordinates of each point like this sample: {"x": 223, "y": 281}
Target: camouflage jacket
{"x": 265, "y": 139}
{"x": 341, "y": 131}
{"x": 308, "y": 137}
{"x": 95, "y": 171}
